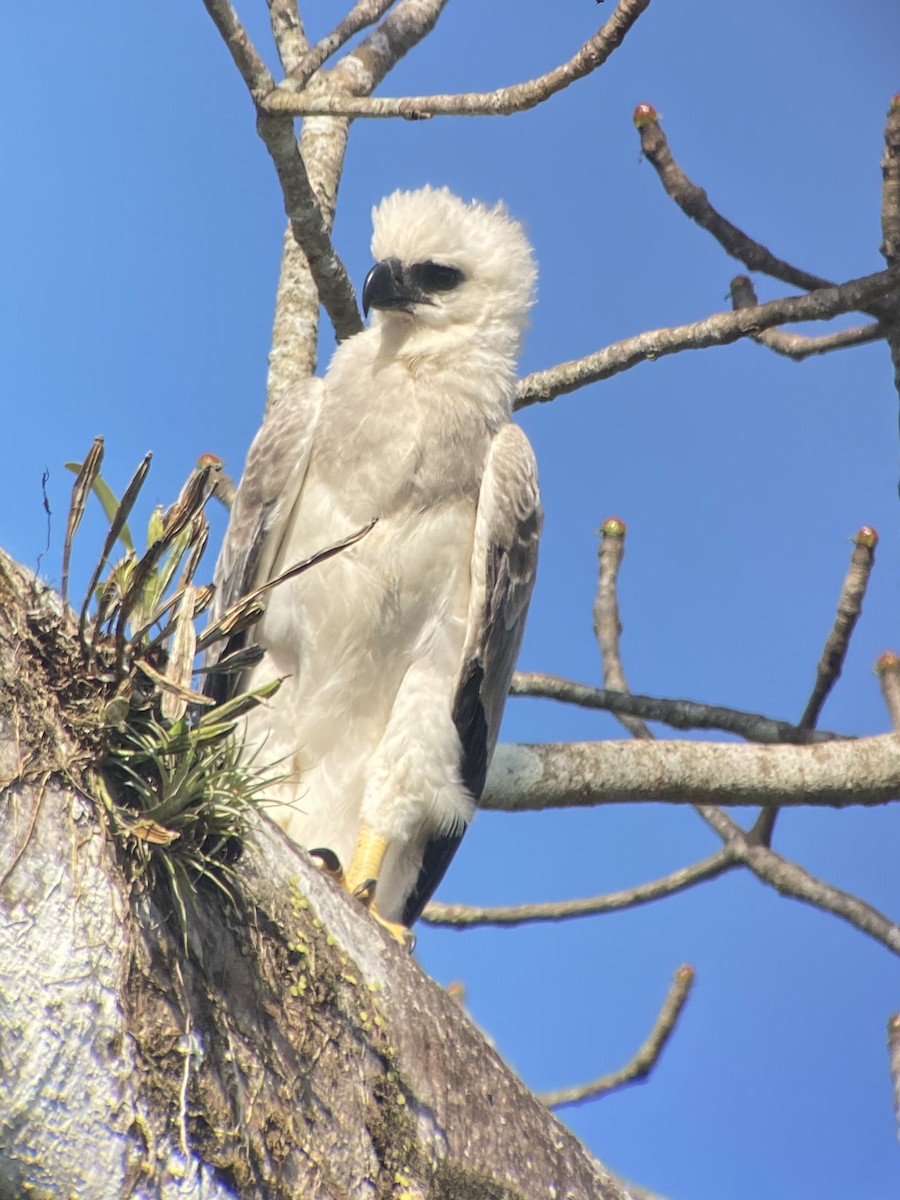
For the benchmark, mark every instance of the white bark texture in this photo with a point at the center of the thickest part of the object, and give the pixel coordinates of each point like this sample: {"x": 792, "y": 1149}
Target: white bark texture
{"x": 131, "y": 1067}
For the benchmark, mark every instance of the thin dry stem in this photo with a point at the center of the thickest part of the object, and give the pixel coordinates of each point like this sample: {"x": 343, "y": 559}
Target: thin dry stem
{"x": 888, "y": 670}
{"x": 463, "y": 916}
{"x": 678, "y": 714}
{"x": 694, "y": 202}
{"x": 790, "y": 879}
{"x": 893, "y": 1042}
{"x": 647, "y": 1056}
{"x": 848, "y": 611}
{"x": 607, "y": 622}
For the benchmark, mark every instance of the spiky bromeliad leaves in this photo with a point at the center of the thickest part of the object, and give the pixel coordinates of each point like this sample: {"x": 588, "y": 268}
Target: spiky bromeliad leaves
{"x": 177, "y": 791}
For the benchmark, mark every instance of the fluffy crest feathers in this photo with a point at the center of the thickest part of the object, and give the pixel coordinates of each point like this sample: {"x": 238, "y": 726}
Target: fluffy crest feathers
{"x": 486, "y": 244}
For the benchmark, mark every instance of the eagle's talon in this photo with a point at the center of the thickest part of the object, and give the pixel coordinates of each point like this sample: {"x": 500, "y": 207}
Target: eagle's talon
{"x": 401, "y": 934}
{"x": 365, "y": 892}
{"x": 328, "y": 862}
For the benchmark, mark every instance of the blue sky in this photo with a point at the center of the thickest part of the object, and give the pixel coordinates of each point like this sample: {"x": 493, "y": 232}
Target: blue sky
{"x": 142, "y": 233}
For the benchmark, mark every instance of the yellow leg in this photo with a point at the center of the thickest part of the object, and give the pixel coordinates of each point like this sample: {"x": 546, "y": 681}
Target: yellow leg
{"x": 368, "y": 856}
{"x": 362, "y": 875}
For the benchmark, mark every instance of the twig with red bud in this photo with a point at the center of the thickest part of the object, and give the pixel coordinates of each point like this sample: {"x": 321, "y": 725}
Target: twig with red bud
{"x": 607, "y": 622}
{"x": 835, "y": 652}
{"x": 848, "y": 610}
{"x": 694, "y": 202}
{"x": 223, "y": 486}
{"x": 647, "y": 1056}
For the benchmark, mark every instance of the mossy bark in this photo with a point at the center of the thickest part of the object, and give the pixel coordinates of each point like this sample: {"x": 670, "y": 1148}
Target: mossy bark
{"x": 289, "y": 1049}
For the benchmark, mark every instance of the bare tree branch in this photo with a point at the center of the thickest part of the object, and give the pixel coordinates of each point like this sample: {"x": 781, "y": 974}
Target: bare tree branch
{"x": 790, "y": 879}
{"x": 694, "y": 202}
{"x": 720, "y": 329}
{"x": 890, "y": 192}
{"x": 288, "y": 32}
{"x": 309, "y": 227}
{"x": 836, "y": 645}
{"x": 890, "y": 218}
{"x": 678, "y": 714}
{"x": 360, "y": 71}
{"x": 798, "y": 346}
{"x": 531, "y": 778}
{"x": 893, "y": 1041}
{"x": 647, "y": 1056}
{"x": 253, "y": 70}
{"x": 502, "y": 102}
{"x": 848, "y": 610}
{"x": 888, "y": 670}
{"x": 323, "y": 143}
{"x": 366, "y": 12}
{"x": 607, "y": 622}
{"x": 461, "y": 916}
{"x": 301, "y": 205}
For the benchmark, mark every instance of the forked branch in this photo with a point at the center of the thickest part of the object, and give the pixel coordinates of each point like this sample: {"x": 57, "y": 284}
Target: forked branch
{"x": 720, "y": 329}
{"x": 300, "y": 202}
{"x": 517, "y": 98}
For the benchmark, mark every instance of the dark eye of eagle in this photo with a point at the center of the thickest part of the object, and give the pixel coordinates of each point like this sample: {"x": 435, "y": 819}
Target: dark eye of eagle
{"x": 434, "y": 277}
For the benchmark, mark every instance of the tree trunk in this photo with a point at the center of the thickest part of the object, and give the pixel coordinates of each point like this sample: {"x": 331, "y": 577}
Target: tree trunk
{"x": 292, "y": 1050}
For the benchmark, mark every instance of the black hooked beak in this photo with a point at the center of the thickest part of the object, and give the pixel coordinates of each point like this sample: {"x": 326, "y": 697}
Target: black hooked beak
{"x": 387, "y": 287}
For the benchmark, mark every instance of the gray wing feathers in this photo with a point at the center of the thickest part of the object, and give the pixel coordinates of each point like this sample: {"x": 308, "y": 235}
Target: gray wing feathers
{"x": 269, "y": 489}
{"x": 504, "y": 564}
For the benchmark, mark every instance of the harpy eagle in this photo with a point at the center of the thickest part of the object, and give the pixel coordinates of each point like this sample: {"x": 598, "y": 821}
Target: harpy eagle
{"x": 396, "y": 654}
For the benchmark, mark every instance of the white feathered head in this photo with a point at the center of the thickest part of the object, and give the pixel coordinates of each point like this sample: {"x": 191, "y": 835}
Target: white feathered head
{"x": 446, "y": 263}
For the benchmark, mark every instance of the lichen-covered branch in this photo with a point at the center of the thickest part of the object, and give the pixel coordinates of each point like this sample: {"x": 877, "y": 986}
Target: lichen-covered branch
{"x": 366, "y": 12}
{"x": 890, "y": 220}
{"x": 890, "y": 190}
{"x": 288, "y": 32}
{"x": 307, "y": 222}
{"x": 323, "y": 143}
{"x": 502, "y": 102}
{"x": 720, "y": 329}
{"x": 534, "y": 777}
